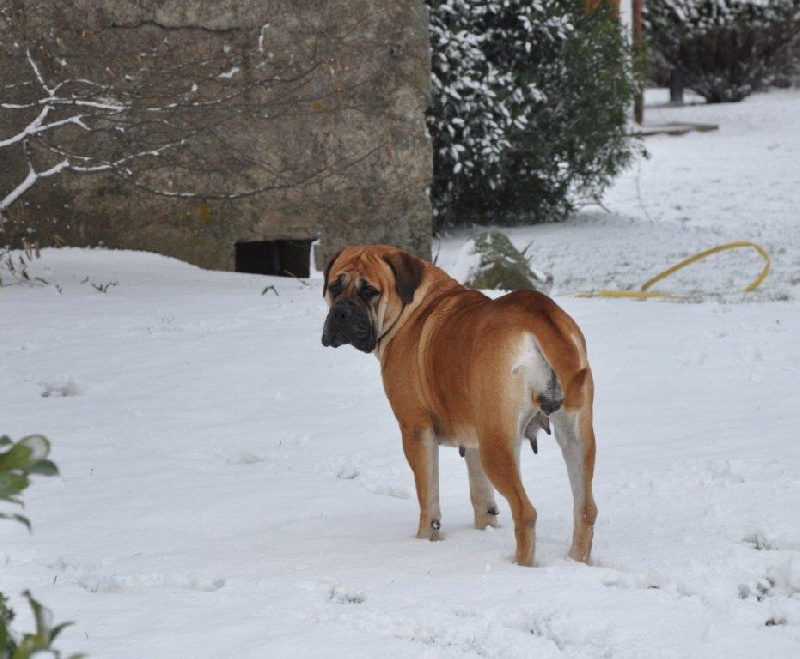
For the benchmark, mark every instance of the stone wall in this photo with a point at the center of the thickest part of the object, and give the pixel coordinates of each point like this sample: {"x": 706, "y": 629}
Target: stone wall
{"x": 263, "y": 120}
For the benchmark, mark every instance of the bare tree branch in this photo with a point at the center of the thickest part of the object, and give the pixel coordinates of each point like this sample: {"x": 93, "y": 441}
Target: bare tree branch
{"x": 189, "y": 129}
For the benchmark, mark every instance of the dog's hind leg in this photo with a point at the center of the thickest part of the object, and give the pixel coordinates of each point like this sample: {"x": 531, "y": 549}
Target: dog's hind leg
{"x": 500, "y": 458}
{"x": 575, "y": 435}
{"x": 422, "y": 453}
{"x": 481, "y": 492}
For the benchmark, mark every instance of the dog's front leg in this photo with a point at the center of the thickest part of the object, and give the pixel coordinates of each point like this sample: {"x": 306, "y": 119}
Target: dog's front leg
{"x": 422, "y": 453}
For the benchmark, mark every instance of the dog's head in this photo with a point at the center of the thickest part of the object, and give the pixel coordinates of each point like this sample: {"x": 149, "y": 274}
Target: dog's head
{"x": 367, "y": 289}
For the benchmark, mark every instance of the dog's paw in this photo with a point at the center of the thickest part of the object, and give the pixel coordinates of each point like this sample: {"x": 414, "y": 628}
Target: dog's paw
{"x": 580, "y": 554}
{"x": 430, "y": 531}
{"x": 488, "y": 518}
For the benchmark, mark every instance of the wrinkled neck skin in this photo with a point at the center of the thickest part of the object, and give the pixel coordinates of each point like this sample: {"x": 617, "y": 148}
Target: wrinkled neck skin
{"x": 436, "y": 284}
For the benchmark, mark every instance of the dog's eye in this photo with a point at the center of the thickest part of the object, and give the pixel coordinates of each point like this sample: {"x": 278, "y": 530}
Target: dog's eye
{"x": 335, "y": 287}
{"x": 368, "y": 292}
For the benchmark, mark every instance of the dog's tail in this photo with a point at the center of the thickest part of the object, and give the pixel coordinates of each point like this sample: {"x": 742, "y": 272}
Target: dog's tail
{"x": 545, "y": 386}
{"x": 543, "y": 382}
{"x": 551, "y": 398}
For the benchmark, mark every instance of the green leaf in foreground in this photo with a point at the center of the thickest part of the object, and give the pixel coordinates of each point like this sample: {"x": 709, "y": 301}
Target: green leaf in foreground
{"x": 18, "y": 461}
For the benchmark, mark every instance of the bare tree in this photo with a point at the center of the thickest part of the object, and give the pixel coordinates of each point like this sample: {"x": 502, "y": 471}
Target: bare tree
{"x": 188, "y": 118}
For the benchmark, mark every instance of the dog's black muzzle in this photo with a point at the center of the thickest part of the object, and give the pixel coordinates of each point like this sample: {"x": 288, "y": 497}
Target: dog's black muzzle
{"x": 348, "y": 322}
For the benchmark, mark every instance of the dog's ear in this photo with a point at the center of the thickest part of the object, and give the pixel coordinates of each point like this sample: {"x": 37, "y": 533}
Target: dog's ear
{"x": 328, "y": 271}
{"x": 407, "y": 270}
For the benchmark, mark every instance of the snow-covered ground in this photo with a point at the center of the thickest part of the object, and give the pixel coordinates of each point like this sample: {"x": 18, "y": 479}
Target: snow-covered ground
{"x": 229, "y": 487}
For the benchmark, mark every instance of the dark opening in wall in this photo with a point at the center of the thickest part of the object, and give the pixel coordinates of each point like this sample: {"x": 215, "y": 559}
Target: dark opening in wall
{"x": 284, "y": 258}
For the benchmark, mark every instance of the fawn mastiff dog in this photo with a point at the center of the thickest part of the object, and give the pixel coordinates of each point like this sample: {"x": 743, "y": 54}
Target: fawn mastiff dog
{"x": 464, "y": 370}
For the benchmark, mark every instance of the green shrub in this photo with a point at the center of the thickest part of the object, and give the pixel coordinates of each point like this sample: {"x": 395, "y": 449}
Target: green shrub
{"x": 32, "y": 643}
{"x": 529, "y": 108}
{"x": 18, "y": 461}
{"x": 501, "y": 266}
{"x": 722, "y": 49}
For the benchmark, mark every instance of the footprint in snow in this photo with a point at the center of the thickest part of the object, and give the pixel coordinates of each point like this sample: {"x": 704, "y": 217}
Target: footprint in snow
{"x": 61, "y": 387}
{"x": 389, "y": 490}
{"x": 343, "y": 595}
{"x": 347, "y": 472}
{"x": 118, "y": 584}
{"x": 244, "y": 459}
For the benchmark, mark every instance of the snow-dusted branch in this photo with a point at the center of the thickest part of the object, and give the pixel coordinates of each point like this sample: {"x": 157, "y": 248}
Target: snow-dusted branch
{"x": 37, "y": 72}
{"x": 38, "y": 126}
{"x": 28, "y": 183}
{"x": 192, "y": 128}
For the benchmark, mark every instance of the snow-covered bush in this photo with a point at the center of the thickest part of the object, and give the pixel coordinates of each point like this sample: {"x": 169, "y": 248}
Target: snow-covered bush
{"x": 528, "y": 110}
{"x": 489, "y": 261}
{"x": 723, "y": 49}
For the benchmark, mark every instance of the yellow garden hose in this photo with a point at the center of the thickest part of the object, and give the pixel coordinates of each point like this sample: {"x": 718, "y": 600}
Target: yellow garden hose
{"x": 644, "y": 293}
